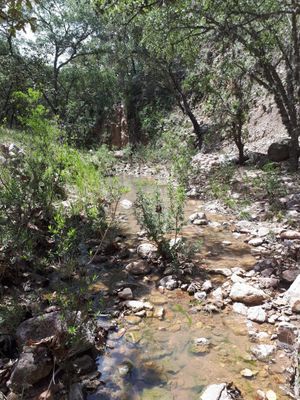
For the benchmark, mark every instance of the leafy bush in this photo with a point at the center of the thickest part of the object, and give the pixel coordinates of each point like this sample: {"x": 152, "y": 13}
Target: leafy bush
{"x": 163, "y": 220}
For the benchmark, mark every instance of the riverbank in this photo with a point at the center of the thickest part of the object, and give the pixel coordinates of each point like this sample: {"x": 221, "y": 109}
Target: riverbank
{"x": 227, "y": 316}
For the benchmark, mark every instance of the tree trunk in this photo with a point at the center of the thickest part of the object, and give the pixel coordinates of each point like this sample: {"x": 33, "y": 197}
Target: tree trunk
{"x": 294, "y": 150}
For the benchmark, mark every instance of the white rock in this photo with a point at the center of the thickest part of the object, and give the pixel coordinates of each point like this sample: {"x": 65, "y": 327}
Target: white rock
{"x": 207, "y": 286}
{"x": 256, "y": 314}
{"x": 213, "y": 392}
{"x": 247, "y": 294}
{"x": 126, "y": 204}
{"x": 294, "y": 289}
{"x": 262, "y": 351}
{"x": 217, "y": 294}
{"x": 200, "y": 296}
{"x": 240, "y": 308}
{"x": 169, "y": 282}
{"x": 256, "y": 242}
{"x": 197, "y": 216}
{"x": 270, "y": 395}
{"x": 146, "y": 250}
{"x": 137, "y": 305}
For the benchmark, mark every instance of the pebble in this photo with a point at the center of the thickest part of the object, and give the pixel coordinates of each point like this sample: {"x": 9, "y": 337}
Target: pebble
{"x": 248, "y": 373}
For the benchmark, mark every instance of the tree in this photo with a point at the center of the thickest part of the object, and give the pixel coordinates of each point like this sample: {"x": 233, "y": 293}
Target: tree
{"x": 269, "y": 33}
{"x": 230, "y": 96}
{"x": 15, "y": 15}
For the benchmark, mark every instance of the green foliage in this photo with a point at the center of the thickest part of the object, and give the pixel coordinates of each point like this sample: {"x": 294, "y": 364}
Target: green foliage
{"x": 11, "y": 315}
{"x": 163, "y": 219}
{"x": 269, "y": 184}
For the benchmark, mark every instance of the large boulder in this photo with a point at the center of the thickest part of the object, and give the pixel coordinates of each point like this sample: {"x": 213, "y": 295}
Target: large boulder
{"x": 247, "y": 294}
{"x": 279, "y": 151}
{"x": 33, "y": 365}
{"x": 37, "y": 328}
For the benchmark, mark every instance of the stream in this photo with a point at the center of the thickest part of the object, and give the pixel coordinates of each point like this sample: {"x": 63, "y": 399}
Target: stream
{"x": 157, "y": 357}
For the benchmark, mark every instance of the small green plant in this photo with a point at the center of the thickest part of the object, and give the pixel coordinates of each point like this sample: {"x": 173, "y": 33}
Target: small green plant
{"x": 163, "y": 220}
{"x": 269, "y": 185}
{"x": 11, "y": 315}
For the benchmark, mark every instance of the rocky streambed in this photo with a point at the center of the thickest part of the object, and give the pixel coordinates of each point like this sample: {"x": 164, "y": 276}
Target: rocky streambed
{"x": 225, "y": 326}
{"x": 230, "y": 331}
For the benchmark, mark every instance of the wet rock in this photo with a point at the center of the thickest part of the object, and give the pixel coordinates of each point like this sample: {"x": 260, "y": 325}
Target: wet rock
{"x": 263, "y": 351}
{"x": 76, "y": 392}
{"x": 33, "y": 365}
{"x": 136, "y": 305}
{"x": 138, "y": 268}
{"x": 257, "y": 314}
{"x": 290, "y": 235}
{"x": 125, "y": 294}
{"x": 156, "y": 393}
{"x": 240, "y": 308}
{"x": 247, "y": 294}
{"x": 83, "y": 365}
{"x": 38, "y": 328}
{"x": 200, "y": 346}
{"x": 168, "y": 282}
{"x": 147, "y": 250}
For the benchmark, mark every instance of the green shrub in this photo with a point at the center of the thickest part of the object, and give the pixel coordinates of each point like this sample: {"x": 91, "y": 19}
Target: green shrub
{"x": 163, "y": 220}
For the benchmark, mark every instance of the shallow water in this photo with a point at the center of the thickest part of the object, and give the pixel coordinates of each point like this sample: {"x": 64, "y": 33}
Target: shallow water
{"x": 151, "y": 359}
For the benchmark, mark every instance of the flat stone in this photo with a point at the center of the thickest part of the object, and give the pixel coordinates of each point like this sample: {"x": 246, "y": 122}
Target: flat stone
{"x": 290, "y": 235}
{"x": 137, "y": 305}
{"x": 247, "y": 294}
{"x": 270, "y": 395}
{"x": 240, "y": 308}
{"x": 213, "y": 392}
{"x": 248, "y": 373}
{"x": 257, "y": 314}
{"x": 256, "y": 242}
{"x": 132, "y": 319}
{"x": 126, "y": 204}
